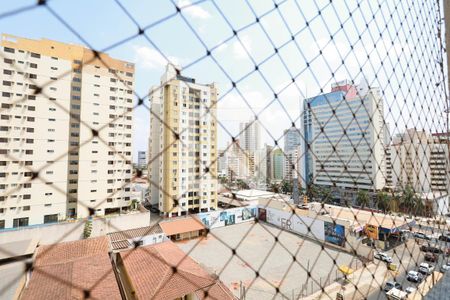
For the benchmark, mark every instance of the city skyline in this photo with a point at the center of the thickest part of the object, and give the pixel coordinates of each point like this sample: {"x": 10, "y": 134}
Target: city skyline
{"x": 150, "y": 62}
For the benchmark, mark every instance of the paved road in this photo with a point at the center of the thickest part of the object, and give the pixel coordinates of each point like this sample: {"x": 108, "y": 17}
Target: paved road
{"x": 408, "y": 258}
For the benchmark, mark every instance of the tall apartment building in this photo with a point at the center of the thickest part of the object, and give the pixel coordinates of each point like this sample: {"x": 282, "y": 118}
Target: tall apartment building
{"x": 277, "y": 165}
{"x": 344, "y": 137}
{"x": 65, "y": 134}
{"x": 421, "y": 161}
{"x": 250, "y": 136}
{"x": 292, "y": 139}
{"x": 183, "y": 145}
{"x": 142, "y": 159}
{"x": 292, "y": 164}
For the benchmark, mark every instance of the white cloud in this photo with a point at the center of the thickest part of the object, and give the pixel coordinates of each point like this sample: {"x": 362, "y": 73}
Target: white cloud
{"x": 149, "y": 58}
{"x": 239, "y": 48}
{"x": 195, "y": 11}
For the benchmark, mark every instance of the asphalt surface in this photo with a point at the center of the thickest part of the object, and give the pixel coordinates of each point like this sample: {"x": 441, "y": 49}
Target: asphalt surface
{"x": 409, "y": 258}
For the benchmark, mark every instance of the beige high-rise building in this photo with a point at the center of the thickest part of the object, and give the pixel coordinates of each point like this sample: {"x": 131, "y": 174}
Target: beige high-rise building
{"x": 183, "y": 145}
{"x": 65, "y": 134}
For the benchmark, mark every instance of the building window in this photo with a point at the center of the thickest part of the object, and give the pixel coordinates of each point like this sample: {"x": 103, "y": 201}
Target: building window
{"x": 50, "y": 218}
{"x": 2, "y": 224}
{"x": 20, "y": 222}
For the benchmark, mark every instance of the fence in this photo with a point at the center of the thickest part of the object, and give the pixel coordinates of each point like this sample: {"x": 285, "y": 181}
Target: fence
{"x": 339, "y": 108}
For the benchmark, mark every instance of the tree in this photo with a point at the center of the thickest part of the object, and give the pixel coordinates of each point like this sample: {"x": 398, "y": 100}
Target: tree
{"x": 383, "y": 201}
{"x": 408, "y": 200}
{"x": 274, "y": 187}
{"x": 286, "y": 186}
{"x": 242, "y": 185}
{"x": 362, "y": 198}
{"x": 325, "y": 194}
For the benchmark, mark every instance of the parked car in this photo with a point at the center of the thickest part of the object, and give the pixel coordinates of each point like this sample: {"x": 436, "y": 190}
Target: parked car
{"x": 410, "y": 289}
{"x": 392, "y": 284}
{"x": 396, "y": 294}
{"x": 414, "y": 276}
{"x": 426, "y": 269}
{"x": 444, "y": 238}
{"x": 383, "y": 257}
{"x": 430, "y": 257}
{"x": 420, "y": 235}
{"x": 424, "y": 248}
{"x": 434, "y": 250}
{"x": 445, "y": 267}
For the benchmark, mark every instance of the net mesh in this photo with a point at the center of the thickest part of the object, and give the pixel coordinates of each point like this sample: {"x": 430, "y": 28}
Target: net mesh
{"x": 361, "y": 87}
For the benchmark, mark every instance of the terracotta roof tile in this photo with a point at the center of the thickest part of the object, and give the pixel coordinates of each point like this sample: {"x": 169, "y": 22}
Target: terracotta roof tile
{"x": 69, "y": 251}
{"x": 151, "y": 271}
{"x": 67, "y": 270}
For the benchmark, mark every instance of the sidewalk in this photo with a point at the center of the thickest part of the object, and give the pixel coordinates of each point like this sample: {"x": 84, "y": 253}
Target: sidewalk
{"x": 361, "y": 283}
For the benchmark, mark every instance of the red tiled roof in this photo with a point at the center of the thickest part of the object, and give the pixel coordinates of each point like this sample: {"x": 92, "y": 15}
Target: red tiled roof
{"x": 69, "y": 280}
{"x": 67, "y": 270}
{"x": 181, "y": 225}
{"x": 68, "y": 251}
{"x": 151, "y": 272}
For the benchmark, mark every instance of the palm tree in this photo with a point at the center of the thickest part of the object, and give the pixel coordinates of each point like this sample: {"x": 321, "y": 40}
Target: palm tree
{"x": 362, "y": 198}
{"x": 408, "y": 200}
{"x": 383, "y": 201}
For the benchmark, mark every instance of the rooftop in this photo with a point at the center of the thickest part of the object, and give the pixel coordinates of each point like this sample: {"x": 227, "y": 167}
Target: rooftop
{"x": 70, "y": 251}
{"x": 69, "y": 270}
{"x": 121, "y": 239}
{"x": 151, "y": 272}
{"x": 181, "y": 225}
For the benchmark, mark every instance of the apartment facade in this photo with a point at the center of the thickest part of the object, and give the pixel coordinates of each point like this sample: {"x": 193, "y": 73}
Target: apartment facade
{"x": 277, "y": 165}
{"x": 142, "y": 159}
{"x": 250, "y": 135}
{"x": 344, "y": 137}
{"x": 183, "y": 145}
{"x": 421, "y": 161}
{"x": 65, "y": 136}
{"x": 292, "y": 139}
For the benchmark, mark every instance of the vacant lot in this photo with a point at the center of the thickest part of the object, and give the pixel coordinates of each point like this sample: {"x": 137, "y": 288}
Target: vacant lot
{"x": 257, "y": 250}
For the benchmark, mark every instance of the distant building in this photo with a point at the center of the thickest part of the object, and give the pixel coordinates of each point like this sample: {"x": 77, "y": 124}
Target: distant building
{"x": 344, "y": 133}
{"x": 142, "y": 159}
{"x": 421, "y": 161}
{"x": 185, "y": 133}
{"x": 292, "y": 139}
{"x": 250, "y": 135}
{"x": 292, "y": 164}
{"x": 277, "y": 165}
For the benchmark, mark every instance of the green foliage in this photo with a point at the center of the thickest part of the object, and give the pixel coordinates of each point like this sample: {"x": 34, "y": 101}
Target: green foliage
{"x": 363, "y": 198}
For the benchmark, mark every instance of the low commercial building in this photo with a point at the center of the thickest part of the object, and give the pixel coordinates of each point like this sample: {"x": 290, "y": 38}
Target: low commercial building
{"x": 163, "y": 271}
{"x": 143, "y": 236}
{"x": 342, "y": 226}
{"x": 183, "y": 228}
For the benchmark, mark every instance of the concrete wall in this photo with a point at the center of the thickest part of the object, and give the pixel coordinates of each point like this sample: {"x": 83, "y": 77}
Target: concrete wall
{"x": 295, "y": 223}
{"x": 62, "y": 232}
{"x": 227, "y": 217}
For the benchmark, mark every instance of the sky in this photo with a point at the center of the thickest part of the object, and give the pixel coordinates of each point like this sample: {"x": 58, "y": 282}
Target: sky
{"x": 391, "y": 46}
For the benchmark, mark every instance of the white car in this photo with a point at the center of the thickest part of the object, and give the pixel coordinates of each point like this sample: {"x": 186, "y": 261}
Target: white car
{"x": 410, "y": 289}
{"x": 414, "y": 276}
{"x": 383, "y": 257}
{"x": 445, "y": 267}
{"x": 426, "y": 269}
{"x": 396, "y": 294}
